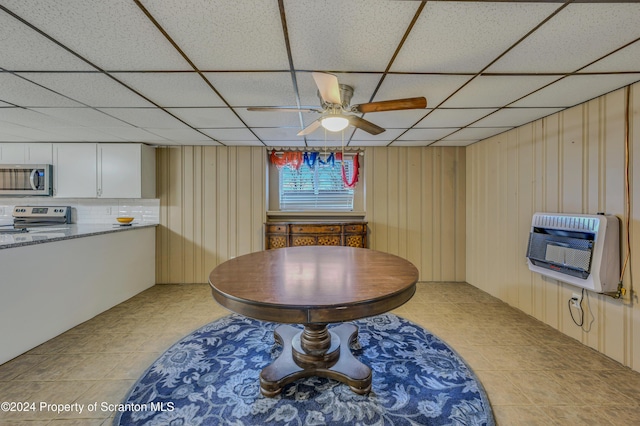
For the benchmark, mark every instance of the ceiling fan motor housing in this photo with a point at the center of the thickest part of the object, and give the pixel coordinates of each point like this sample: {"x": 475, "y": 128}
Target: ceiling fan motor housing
{"x": 346, "y": 93}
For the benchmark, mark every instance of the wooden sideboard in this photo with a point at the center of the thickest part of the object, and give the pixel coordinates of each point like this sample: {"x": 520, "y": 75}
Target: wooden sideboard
{"x": 293, "y": 234}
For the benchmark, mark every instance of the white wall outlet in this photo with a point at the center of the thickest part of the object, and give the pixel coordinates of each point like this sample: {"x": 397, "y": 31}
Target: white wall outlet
{"x": 1, "y": 211}
{"x": 109, "y": 210}
{"x": 575, "y": 301}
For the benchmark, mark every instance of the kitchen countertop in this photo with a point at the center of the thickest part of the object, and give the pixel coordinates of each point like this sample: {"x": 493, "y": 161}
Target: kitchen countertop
{"x": 47, "y": 234}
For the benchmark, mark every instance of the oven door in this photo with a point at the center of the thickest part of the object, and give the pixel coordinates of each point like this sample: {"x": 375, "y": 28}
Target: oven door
{"x": 25, "y": 180}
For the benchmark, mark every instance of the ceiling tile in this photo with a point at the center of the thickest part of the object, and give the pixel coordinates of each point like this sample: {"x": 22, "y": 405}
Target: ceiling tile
{"x": 29, "y": 134}
{"x": 8, "y": 137}
{"x": 454, "y": 117}
{"x": 329, "y": 143}
{"x": 298, "y": 143}
{"x": 397, "y": 119}
{"x": 274, "y": 119}
{"x": 93, "y": 89}
{"x": 454, "y": 143}
{"x": 579, "y": 34}
{"x": 369, "y": 143}
{"x": 145, "y": 117}
{"x": 358, "y": 35}
{"x": 81, "y": 134}
{"x": 242, "y": 143}
{"x": 129, "y": 134}
{"x": 436, "y": 88}
{"x": 321, "y": 135}
{"x": 207, "y": 117}
{"x": 426, "y": 134}
{"x": 512, "y": 117}
{"x": 627, "y": 59}
{"x": 227, "y": 135}
{"x": 388, "y": 135}
{"x": 217, "y": 35}
{"x": 182, "y": 136}
{"x": 11, "y": 132}
{"x": 31, "y": 118}
{"x": 255, "y": 89}
{"x": 206, "y": 142}
{"x": 496, "y": 91}
{"x": 273, "y": 134}
{"x": 421, "y": 142}
{"x": 114, "y": 34}
{"x": 81, "y": 117}
{"x": 172, "y": 89}
{"x": 32, "y": 51}
{"x": 475, "y": 133}
{"x": 466, "y": 36}
{"x": 576, "y": 89}
{"x": 18, "y": 91}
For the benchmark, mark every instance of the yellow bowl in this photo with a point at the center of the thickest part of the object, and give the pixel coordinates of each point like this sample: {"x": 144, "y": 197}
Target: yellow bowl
{"x": 124, "y": 219}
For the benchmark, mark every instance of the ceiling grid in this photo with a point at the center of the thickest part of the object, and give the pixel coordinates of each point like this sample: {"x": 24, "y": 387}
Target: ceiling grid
{"x": 165, "y": 73}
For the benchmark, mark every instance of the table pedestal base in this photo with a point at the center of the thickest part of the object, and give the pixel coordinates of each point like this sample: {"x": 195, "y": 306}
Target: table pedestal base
{"x": 316, "y": 351}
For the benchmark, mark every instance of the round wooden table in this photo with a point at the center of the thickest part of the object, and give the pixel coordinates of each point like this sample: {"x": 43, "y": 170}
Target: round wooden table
{"x": 314, "y": 286}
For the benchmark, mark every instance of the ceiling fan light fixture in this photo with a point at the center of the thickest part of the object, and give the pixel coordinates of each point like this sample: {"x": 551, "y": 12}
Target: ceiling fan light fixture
{"x": 335, "y": 123}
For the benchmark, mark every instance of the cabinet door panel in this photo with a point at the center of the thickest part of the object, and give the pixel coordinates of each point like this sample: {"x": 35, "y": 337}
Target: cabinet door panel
{"x": 75, "y": 170}
{"x": 12, "y": 153}
{"x": 39, "y": 153}
{"x": 120, "y": 171}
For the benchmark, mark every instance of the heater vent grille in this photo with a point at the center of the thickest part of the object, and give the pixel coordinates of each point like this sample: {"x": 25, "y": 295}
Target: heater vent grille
{"x": 568, "y": 255}
{"x": 576, "y": 223}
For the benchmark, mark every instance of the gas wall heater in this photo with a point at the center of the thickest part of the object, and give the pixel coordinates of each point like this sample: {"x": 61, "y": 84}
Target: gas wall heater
{"x": 582, "y": 250}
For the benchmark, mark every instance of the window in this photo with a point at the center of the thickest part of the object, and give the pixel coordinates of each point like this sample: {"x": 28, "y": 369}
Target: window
{"x": 316, "y": 188}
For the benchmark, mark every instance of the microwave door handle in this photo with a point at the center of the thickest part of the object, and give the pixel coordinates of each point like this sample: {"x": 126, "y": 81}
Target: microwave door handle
{"x": 32, "y": 179}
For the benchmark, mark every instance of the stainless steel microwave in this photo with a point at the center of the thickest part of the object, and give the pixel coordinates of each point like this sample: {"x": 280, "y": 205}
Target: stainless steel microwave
{"x": 25, "y": 180}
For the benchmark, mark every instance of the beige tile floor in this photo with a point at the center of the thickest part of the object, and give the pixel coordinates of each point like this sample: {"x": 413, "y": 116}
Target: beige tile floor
{"x": 533, "y": 374}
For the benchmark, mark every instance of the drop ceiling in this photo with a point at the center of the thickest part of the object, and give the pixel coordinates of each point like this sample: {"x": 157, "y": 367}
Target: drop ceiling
{"x": 176, "y": 72}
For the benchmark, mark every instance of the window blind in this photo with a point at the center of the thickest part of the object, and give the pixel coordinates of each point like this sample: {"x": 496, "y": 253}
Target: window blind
{"x": 318, "y": 188}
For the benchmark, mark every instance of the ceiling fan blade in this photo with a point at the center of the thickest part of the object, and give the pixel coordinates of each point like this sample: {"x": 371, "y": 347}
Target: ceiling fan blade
{"x": 365, "y": 125}
{"x": 328, "y": 87}
{"x": 392, "y": 105}
{"x": 310, "y": 128}
{"x": 279, "y": 109}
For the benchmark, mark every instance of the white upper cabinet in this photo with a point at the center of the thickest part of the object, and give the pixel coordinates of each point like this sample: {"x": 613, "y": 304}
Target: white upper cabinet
{"x": 126, "y": 171}
{"x": 25, "y": 153}
{"x": 38, "y": 153}
{"x": 75, "y": 170}
{"x": 89, "y": 170}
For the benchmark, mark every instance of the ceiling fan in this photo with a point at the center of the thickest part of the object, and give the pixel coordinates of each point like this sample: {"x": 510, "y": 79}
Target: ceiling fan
{"x": 336, "y": 110}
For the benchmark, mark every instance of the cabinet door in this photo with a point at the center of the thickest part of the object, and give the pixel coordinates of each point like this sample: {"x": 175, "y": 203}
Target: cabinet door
{"x": 12, "y": 153}
{"x": 38, "y": 153}
{"x": 119, "y": 171}
{"x": 75, "y": 170}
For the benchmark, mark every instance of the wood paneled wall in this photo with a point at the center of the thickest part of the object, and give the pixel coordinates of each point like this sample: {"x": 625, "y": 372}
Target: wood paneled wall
{"x": 212, "y": 208}
{"x": 415, "y": 203}
{"x": 571, "y": 162}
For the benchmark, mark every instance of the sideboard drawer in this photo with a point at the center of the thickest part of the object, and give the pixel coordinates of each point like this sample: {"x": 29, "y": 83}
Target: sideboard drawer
{"x": 354, "y": 228}
{"x": 277, "y": 228}
{"x": 314, "y": 229}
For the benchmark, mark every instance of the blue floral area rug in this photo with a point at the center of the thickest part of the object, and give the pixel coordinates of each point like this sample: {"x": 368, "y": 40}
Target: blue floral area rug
{"x": 211, "y": 377}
